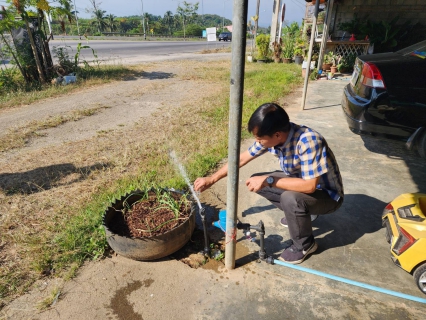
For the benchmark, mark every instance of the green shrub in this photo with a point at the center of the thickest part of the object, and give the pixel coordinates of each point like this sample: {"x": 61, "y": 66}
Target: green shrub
{"x": 194, "y": 30}
{"x": 262, "y": 43}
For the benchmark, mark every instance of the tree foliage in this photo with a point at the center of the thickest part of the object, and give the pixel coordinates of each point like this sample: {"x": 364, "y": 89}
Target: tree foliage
{"x": 187, "y": 13}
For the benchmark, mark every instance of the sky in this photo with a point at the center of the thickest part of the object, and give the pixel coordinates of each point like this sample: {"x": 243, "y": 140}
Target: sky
{"x": 295, "y": 9}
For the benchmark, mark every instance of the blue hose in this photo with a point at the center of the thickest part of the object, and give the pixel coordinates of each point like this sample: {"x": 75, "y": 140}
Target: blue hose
{"x": 352, "y": 282}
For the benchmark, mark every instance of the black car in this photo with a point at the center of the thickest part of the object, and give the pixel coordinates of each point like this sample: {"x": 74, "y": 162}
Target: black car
{"x": 387, "y": 96}
{"x": 225, "y": 36}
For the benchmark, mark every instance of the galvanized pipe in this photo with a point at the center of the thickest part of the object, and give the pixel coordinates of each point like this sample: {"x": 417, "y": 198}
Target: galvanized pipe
{"x": 239, "y": 22}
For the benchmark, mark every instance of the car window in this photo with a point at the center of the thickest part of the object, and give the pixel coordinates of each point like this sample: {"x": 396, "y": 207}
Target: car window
{"x": 418, "y": 47}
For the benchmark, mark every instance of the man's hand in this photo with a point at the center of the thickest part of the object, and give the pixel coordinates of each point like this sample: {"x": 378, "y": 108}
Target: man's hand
{"x": 254, "y": 184}
{"x": 202, "y": 184}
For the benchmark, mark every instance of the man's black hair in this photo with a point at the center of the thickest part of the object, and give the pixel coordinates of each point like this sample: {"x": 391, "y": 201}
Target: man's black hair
{"x": 269, "y": 118}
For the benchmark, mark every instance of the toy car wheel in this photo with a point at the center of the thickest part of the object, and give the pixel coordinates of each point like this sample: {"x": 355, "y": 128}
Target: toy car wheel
{"x": 420, "y": 277}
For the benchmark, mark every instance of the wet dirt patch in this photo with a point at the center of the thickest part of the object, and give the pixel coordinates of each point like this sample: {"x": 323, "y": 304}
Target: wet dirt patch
{"x": 120, "y": 305}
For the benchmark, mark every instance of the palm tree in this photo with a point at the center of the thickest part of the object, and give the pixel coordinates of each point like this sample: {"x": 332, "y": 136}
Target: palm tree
{"x": 111, "y": 22}
{"x": 20, "y": 7}
{"x": 99, "y": 16}
{"x": 168, "y": 20}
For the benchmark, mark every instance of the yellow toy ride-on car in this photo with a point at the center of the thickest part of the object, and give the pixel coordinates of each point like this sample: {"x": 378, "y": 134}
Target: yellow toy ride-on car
{"x": 405, "y": 222}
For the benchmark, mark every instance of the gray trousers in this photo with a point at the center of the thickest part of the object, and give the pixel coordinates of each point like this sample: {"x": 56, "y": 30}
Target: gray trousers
{"x": 298, "y": 208}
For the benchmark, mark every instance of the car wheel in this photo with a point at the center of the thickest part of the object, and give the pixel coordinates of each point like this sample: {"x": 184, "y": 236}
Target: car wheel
{"x": 420, "y": 277}
{"x": 421, "y": 145}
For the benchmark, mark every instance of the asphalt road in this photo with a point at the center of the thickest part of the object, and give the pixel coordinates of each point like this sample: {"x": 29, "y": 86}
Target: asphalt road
{"x": 116, "y": 49}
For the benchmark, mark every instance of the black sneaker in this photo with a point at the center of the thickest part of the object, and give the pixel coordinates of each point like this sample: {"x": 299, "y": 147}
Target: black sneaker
{"x": 284, "y": 223}
{"x": 294, "y": 256}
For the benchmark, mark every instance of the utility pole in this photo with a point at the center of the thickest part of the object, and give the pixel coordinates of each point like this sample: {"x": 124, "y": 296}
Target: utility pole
{"x": 143, "y": 22}
{"x": 223, "y": 18}
{"x": 76, "y": 19}
{"x": 256, "y": 23}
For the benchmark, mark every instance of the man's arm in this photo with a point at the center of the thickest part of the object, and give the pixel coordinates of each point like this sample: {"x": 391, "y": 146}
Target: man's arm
{"x": 256, "y": 183}
{"x": 202, "y": 184}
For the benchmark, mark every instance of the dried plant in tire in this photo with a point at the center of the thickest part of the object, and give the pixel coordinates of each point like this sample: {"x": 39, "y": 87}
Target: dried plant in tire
{"x": 157, "y": 212}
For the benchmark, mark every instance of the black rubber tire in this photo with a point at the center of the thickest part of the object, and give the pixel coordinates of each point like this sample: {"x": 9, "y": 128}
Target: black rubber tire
{"x": 421, "y": 145}
{"x": 420, "y": 275}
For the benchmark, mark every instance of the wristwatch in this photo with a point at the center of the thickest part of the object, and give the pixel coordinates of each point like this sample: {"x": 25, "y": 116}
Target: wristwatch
{"x": 270, "y": 180}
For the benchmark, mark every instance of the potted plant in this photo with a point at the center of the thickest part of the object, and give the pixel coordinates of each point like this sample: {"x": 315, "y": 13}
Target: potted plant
{"x": 262, "y": 43}
{"x": 327, "y": 63}
{"x": 149, "y": 224}
{"x": 335, "y": 61}
{"x": 298, "y": 55}
{"x": 288, "y": 48}
{"x": 346, "y": 64}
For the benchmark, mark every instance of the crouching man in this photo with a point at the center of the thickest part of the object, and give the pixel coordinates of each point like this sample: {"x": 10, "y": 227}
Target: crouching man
{"x": 309, "y": 184}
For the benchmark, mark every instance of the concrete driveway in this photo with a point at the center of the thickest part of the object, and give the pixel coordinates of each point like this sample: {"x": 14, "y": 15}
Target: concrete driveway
{"x": 351, "y": 245}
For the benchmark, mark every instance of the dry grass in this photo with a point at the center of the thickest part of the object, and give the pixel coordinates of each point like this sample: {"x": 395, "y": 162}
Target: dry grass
{"x": 86, "y": 78}
{"x": 20, "y": 136}
{"x": 51, "y": 199}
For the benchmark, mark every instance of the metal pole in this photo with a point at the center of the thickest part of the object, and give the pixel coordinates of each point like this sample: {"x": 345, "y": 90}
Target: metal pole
{"x": 76, "y": 19}
{"x": 256, "y": 23}
{"x": 143, "y": 22}
{"x": 311, "y": 44}
{"x": 325, "y": 32}
{"x": 223, "y": 17}
{"x": 239, "y": 22}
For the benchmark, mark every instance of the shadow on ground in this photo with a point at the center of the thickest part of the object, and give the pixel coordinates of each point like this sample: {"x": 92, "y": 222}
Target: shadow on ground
{"x": 359, "y": 215}
{"x": 396, "y": 150}
{"x": 45, "y": 178}
{"x": 157, "y": 75}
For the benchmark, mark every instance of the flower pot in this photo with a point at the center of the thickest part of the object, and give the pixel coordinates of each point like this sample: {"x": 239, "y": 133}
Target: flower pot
{"x": 286, "y": 60}
{"x": 333, "y": 69}
{"x": 277, "y": 60}
{"x": 326, "y": 66}
{"x": 298, "y": 59}
{"x": 250, "y": 58}
{"x": 146, "y": 248}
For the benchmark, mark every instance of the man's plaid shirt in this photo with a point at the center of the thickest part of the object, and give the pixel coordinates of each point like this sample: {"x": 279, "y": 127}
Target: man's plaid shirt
{"x": 306, "y": 155}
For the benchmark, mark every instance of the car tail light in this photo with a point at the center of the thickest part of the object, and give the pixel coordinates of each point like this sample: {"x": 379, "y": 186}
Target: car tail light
{"x": 387, "y": 209}
{"x": 404, "y": 241}
{"x": 372, "y": 76}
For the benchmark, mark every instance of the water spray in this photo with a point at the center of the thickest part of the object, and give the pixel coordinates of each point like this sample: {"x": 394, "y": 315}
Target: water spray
{"x": 195, "y": 194}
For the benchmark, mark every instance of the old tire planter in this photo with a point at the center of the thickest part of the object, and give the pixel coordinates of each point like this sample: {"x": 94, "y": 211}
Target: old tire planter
{"x": 145, "y": 249}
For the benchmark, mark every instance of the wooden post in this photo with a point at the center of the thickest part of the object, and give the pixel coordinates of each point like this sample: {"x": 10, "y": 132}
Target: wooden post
{"x": 311, "y": 44}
